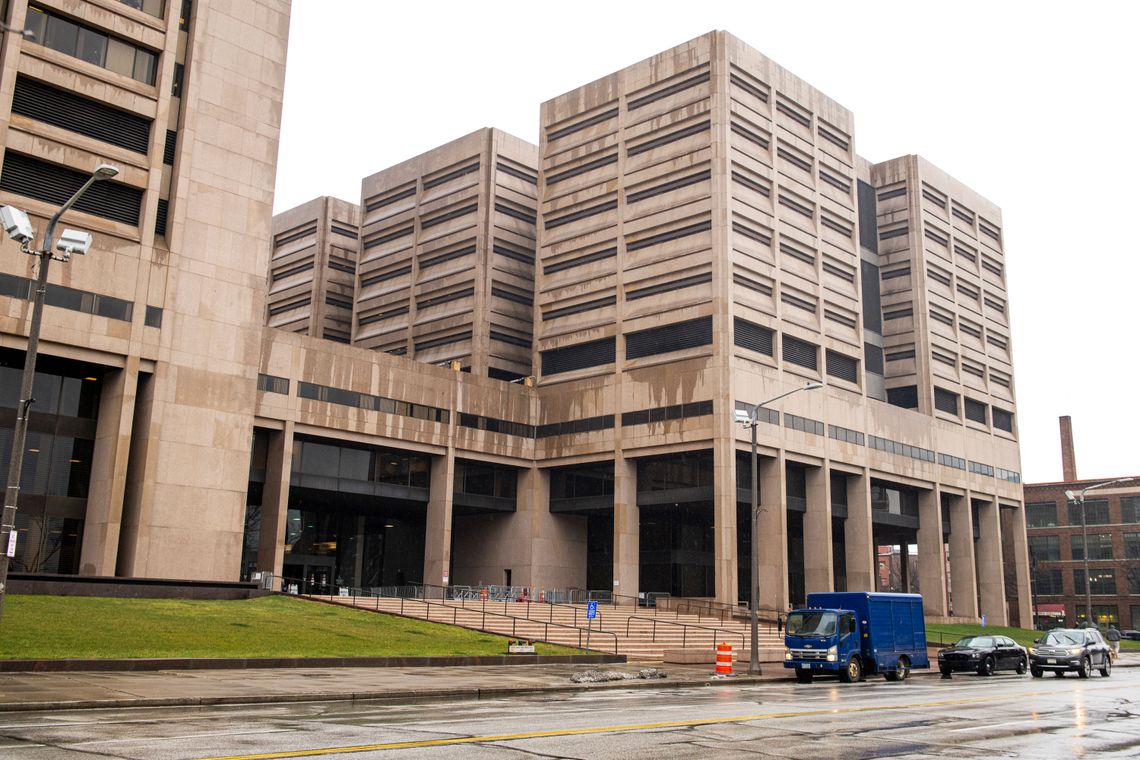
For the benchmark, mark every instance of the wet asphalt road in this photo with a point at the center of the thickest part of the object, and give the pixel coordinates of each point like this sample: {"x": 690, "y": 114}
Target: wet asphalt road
{"x": 967, "y": 717}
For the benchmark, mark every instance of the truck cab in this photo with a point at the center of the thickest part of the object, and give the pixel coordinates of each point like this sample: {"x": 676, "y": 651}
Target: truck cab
{"x": 852, "y": 634}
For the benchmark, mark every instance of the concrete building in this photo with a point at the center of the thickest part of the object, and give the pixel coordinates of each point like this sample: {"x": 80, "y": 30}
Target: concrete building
{"x": 1057, "y": 545}
{"x": 137, "y": 459}
{"x": 693, "y": 235}
{"x": 312, "y": 269}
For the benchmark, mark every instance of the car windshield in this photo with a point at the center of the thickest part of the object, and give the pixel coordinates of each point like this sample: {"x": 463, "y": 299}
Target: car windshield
{"x": 975, "y": 642}
{"x": 811, "y": 624}
{"x": 1063, "y": 638}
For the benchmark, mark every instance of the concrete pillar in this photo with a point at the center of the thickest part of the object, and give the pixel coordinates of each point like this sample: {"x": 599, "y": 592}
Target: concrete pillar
{"x": 819, "y": 572}
{"x": 963, "y": 579}
{"x": 437, "y": 536}
{"x": 103, "y": 520}
{"x": 134, "y": 536}
{"x": 557, "y": 542}
{"x": 858, "y": 535}
{"x": 275, "y": 501}
{"x": 627, "y": 530}
{"x": 724, "y": 520}
{"x": 772, "y": 529}
{"x": 991, "y": 574}
{"x": 1020, "y": 561}
{"x": 931, "y": 562}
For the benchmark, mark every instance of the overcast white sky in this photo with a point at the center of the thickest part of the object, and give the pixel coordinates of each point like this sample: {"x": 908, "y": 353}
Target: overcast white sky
{"x": 1031, "y": 104}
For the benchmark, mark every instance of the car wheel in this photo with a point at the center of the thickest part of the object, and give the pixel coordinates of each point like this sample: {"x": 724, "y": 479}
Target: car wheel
{"x": 987, "y": 666}
{"x": 945, "y": 672}
{"x": 1036, "y": 672}
{"x": 853, "y": 671}
{"x": 1022, "y": 665}
{"x": 1086, "y": 668}
{"x": 1106, "y": 671}
{"x": 803, "y": 676}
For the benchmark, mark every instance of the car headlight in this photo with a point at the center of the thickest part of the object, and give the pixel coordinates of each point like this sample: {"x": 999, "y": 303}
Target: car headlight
{"x": 1074, "y": 651}
{"x": 832, "y": 654}
{"x": 787, "y": 653}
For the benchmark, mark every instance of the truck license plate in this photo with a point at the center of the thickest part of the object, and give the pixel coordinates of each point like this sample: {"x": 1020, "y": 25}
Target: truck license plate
{"x": 1051, "y": 661}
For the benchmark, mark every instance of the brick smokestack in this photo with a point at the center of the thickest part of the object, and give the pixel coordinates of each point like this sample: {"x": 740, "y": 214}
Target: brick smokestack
{"x": 1068, "y": 457}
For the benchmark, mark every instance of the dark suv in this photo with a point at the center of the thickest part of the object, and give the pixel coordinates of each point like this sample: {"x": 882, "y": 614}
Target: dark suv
{"x": 1070, "y": 649}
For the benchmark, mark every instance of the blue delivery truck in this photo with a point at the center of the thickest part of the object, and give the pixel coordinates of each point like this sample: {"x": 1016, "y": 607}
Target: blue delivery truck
{"x": 853, "y": 634}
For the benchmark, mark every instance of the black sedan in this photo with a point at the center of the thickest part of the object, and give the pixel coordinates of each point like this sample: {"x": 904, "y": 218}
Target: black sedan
{"x": 983, "y": 655}
{"x": 1062, "y": 650}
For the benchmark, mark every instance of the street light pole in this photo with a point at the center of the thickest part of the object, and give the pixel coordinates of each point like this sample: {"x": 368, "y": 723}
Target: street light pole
{"x": 23, "y": 405}
{"x": 1073, "y": 499}
{"x": 751, "y": 422}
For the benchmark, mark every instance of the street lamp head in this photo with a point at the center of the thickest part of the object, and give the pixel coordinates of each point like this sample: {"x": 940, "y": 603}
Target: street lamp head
{"x": 740, "y": 416}
{"x": 812, "y": 386}
{"x": 17, "y": 224}
{"x": 1071, "y": 496}
{"x": 105, "y": 171}
{"x": 73, "y": 241}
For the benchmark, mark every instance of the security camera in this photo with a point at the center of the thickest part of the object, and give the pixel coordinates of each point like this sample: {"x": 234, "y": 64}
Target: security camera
{"x": 73, "y": 241}
{"x": 17, "y": 224}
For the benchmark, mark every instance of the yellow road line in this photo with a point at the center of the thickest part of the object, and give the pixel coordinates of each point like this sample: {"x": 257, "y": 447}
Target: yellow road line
{"x": 608, "y": 729}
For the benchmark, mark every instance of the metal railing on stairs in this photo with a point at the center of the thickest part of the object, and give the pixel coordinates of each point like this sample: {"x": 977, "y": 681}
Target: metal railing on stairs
{"x": 359, "y": 598}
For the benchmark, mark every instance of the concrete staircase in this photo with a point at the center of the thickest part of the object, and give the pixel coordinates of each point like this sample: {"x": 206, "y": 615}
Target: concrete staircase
{"x": 642, "y": 634}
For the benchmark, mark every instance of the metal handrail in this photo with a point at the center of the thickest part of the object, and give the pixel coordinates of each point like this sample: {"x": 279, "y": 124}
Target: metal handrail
{"x": 685, "y": 629}
{"x": 428, "y": 604}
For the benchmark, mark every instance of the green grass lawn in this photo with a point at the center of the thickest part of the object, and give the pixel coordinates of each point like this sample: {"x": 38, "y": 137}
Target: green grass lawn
{"x": 60, "y": 627}
{"x": 1023, "y": 636}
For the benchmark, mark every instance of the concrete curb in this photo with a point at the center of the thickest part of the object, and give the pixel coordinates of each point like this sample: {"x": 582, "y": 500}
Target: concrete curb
{"x": 390, "y": 695}
{"x": 237, "y": 663}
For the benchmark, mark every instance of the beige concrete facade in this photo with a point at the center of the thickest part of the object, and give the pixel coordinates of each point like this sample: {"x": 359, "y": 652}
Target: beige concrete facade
{"x": 689, "y": 237}
{"x": 447, "y": 256}
{"x": 313, "y": 267}
{"x": 171, "y": 298}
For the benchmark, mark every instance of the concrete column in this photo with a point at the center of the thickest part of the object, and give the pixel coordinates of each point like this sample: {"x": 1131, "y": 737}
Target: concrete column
{"x": 437, "y": 537}
{"x": 138, "y": 499}
{"x": 819, "y": 568}
{"x": 724, "y": 519}
{"x": 963, "y": 579}
{"x": 772, "y": 528}
{"x": 627, "y": 529}
{"x": 991, "y": 574}
{"x": 275, "y": 501}
{"x": 557, "y": 542}
{"x": 858, "y": 535}
{"x": 931, "y": 563}
{"x": 103, "y": 520}
{"x": 1020, "y": 561}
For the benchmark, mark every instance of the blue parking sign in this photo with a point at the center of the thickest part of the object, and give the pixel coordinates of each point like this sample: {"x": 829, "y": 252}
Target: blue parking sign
{"x": 591, "y": 609}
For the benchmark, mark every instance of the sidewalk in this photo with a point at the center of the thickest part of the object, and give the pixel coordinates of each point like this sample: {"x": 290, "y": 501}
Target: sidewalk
{"x": 86, "y": 690}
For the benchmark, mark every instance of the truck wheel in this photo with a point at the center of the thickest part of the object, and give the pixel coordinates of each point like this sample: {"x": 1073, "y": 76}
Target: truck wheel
{"x": 853, "y": 671}
{"x": 901, "y": 671}
{"x": 1036, "y": 672}
{"x": 987, "y": 666}
{"x": 803, "y": 676}
{"x": 1086, "y": 668}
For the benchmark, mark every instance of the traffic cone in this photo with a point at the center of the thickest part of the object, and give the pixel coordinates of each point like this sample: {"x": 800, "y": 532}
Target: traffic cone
{"x": 723, "y": 659}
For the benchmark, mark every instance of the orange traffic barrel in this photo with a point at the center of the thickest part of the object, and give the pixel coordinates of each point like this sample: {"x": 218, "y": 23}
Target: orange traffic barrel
{"x": 724, "y": 659}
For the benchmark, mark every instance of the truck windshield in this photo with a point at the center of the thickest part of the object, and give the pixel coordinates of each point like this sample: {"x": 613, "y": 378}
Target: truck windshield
{"x": 811, "y": 624}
